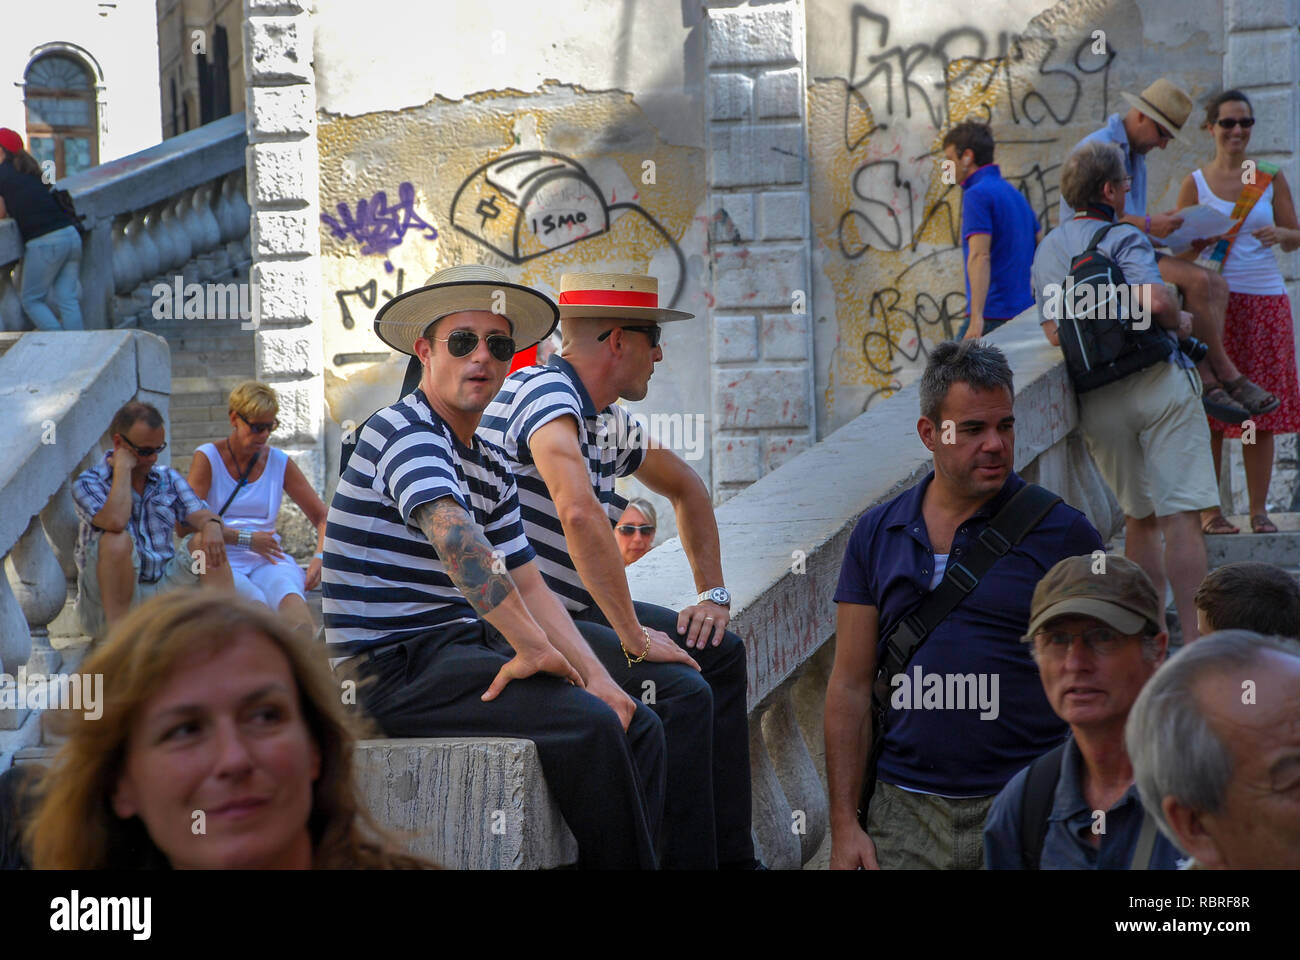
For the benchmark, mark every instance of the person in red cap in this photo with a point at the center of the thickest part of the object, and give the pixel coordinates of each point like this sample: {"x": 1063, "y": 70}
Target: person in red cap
{"x": 51, "y": 264}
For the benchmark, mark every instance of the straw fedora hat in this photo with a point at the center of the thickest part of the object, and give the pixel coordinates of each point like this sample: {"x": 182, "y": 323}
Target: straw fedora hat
{"x": 1166, "y": 104}
{"x": 405, "y": 318}
{"x": 621, "y": 296}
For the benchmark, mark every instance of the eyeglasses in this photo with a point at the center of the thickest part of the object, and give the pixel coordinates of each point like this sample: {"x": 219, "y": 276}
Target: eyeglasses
{"x": 1127, "y": 181}
{"x": 143, "y": 451}
{"x": 1229, "y": 122}
{"x": 464, "y": 342}
{"x": 260, "y": 428}
{"x": 1102, "y": 641}
{"x": 652, "y": 332}
{"x": 631, "y": 529}
{"x": 1164, "y": 134}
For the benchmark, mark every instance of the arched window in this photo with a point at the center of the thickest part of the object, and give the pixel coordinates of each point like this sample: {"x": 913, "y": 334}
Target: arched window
{"x": 61, "y": 121}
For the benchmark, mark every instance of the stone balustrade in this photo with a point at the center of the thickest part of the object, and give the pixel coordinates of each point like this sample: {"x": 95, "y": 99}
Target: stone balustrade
{"x": 58, "y": 390}
{"x": 175, "y": 209}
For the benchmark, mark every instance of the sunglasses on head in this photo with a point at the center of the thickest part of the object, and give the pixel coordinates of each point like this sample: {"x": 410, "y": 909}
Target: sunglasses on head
{"x": 652, "y": 331}
{"x": 630, "y": 529}
{"x": 1229, "y": 122}
{"x": 462, "y": 343}
{"x": 144, "y": 451}
{"x": 259, "y": 427}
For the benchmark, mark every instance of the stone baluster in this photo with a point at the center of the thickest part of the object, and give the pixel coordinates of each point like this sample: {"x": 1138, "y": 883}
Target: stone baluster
{"x": 161, "y": 231}
{"x": 227, "y": 216}
{"x": 802, "y": 787}
{"x": 15, "y": 648}
{"x": 239, "y": 245}
{"x": 12, "y": 318}
{"x": 174, "y": 210}
{"x": 127, "y": 273}
{"x": 62, "y": 526}
{"x": 218, "y": 259}
{"x": 41, "y": 589}
{"x": 776, "y": 844}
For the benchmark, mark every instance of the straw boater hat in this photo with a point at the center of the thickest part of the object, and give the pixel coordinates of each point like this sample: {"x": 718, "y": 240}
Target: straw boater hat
{"x": 614, "y": 296}
{"x": 405, "y": 318}
{"x": 1166, "y": 104}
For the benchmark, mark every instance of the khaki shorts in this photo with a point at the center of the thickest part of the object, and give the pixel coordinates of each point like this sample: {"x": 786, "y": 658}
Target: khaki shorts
{"x": 919, "y": 831}
{"x": 90, "y": 606}
{"x": 1149, "y": 437}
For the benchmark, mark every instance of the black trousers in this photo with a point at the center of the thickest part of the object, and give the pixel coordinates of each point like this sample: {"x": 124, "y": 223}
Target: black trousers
{"x": 609, "y": 784}
{"x": 707, "y": 810}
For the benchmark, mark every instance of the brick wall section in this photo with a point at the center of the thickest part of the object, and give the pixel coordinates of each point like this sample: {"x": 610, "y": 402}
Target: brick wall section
{"x": 283, "y": 187}
{"x": 1263, "y": 60}
{"x": 762, "y": 389}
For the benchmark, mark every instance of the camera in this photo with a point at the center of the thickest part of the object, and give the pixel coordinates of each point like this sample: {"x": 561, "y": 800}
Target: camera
{"x": 1194, "y": 349}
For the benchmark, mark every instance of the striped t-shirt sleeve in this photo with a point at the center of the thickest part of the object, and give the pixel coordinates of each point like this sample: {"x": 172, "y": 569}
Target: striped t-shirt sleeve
{"x": 504, "y": 527}
{"x": 417, "y": 467}
{"x": 631, "y": 437}
{"x": 543, "y": 398}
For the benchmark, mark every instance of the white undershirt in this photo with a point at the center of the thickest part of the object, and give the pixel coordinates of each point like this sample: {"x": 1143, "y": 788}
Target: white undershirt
{"x": 940, "y": 565}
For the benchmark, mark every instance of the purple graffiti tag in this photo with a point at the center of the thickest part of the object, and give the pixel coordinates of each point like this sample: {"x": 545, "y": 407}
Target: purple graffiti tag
{"x": 377, "y": 226}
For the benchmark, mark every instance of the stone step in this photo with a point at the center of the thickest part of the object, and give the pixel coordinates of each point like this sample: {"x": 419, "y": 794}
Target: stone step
{"x": 198, "y": 399}
{"x": 208, "y": 343}
{"x": 1281, "y": 548}
{"x": 205, "y": 383}
{"x": 193, "y": 413}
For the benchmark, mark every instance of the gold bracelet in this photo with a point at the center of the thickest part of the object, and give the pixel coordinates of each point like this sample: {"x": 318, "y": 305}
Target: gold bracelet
{"x": 630, "y": 659}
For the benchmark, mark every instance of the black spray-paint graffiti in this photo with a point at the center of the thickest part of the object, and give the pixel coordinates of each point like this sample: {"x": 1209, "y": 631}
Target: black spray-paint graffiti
{"x": 368, "y": 293}
{"x": 528, "y": 204}
{"x": 377, "y": 226}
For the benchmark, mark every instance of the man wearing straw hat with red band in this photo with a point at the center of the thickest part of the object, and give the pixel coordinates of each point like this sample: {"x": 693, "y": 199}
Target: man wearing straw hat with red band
{"x": 567, "y": 442}
{"x": 431, "y": 593}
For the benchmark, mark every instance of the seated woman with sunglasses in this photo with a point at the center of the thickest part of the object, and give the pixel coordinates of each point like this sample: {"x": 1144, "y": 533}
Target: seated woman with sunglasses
{"x": 635, "y": 531}
{"x": 244, "y": 479}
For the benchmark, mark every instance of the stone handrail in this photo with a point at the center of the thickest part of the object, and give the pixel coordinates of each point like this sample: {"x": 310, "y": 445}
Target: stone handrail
{"x": 175, "y": 209}
{"x": 783, "y": 539}
{"x": 58, "y": 390}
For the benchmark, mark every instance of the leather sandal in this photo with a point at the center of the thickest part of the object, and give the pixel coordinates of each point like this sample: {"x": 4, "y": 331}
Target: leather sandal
{"x": 1260, "y": 523}
{"x": 1256, "y": 400}
{"x": 1220, "y": 405}
{"x": 1218, "y": 524}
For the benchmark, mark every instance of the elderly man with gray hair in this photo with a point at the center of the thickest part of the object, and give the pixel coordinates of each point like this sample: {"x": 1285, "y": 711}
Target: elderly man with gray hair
{"x": 1140, "y": 414}
{"x": 1214, "y": 739}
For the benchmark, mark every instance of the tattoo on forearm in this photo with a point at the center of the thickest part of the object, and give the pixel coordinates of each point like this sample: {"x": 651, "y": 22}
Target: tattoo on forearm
{"x": 465, "y": 553}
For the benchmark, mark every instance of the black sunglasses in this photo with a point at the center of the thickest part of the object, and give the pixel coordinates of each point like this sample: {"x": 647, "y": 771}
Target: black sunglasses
{"x": 629, "y": 529}
{"x": 143, "y": 451}
{"x": 259, "y": 427}
{"x": 1229, "y": 122}
{"x": 652, "y": 331}
{"x": 464, "y": 342}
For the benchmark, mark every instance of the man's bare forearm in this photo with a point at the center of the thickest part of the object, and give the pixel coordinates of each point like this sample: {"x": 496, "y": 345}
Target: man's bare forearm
{"x": 465, "y": 552}
{"x": 848, "y": 741}
{"x": 596, "y": 557}
{"x": 551, "y": 616}
{"x": 698, "y": 528}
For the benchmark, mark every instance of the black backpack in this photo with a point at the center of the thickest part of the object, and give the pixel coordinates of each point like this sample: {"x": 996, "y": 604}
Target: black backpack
{"x": 1100, "y": 344}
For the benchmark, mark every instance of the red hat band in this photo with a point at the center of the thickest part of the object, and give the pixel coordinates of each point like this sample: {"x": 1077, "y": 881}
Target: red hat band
{"x": 610, "y": 298}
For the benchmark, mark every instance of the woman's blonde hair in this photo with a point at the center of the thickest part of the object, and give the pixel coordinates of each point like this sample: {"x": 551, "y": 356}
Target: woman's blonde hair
{"x": 252, "y": 398}
{"x": 74, "y": 825}
{"x": 646, "y": 509}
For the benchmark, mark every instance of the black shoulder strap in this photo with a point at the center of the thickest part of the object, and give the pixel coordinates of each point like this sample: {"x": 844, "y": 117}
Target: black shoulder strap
{"x": 1040, "y": 791}
{"x": 1101, "y": 234}
{"x": 243, "y": 478}
{"x": 1017, "y": 517}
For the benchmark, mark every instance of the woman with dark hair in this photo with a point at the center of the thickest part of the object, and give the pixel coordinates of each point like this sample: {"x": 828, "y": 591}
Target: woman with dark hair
{"x": 51, "y": 242}
{"x": 221, "y": 743}
{"x": 1257, "y": 328}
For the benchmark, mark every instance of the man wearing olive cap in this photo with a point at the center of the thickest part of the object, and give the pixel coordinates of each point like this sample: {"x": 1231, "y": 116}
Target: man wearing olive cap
{"x": 1094, "y": 633}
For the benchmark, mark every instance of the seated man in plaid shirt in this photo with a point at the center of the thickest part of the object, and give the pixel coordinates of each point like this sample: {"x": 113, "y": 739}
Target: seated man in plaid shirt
{"x": 128, "y": 508}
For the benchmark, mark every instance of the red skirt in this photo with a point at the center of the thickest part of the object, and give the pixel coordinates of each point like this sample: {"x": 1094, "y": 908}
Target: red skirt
{"x": 1257, "y": 335}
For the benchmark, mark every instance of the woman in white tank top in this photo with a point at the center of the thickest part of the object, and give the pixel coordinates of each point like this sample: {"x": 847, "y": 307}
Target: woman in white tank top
{"x": 1257, "y": 327}
{"x": 262, "y": 570}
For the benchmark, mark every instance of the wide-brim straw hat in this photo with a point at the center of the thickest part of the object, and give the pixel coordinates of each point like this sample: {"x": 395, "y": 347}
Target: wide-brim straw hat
{"x": 404, "y": 319}
{"x": 616, "y": 296}
{"x": 1166, "y": 104}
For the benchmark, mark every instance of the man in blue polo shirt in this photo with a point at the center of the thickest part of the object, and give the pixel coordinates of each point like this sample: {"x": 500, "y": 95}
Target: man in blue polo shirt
{"x": 942, "y": 762}
{"x": 997, "y": 225}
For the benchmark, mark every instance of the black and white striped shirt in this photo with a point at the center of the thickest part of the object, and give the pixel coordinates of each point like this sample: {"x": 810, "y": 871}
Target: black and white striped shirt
{"x": 610, "y": 442}
{"x": 382, "y": 581}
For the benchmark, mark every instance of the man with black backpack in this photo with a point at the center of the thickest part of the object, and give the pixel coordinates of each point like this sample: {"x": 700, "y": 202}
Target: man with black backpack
{"x": 1102, "y": 300}
{"x": 1094, "y": 636}
{"x": 933, "y": 598}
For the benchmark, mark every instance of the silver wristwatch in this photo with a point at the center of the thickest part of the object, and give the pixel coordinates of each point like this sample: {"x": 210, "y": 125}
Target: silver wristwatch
{"x": 719, "y": 595}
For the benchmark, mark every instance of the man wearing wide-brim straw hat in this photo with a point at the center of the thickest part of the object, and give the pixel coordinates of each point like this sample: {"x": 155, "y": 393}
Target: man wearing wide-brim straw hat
{"x": 1156, "y": 116}
{"x": 567, "y": 441}
{"x": 432, "y": 592}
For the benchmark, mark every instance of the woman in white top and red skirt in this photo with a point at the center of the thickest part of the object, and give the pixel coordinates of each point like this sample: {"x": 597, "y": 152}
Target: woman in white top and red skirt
{"x": 1257, "y": 329}
{"x": 248, "y": 477}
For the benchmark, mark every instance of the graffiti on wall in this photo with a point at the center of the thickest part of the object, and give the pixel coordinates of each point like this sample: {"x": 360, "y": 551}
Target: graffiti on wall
{"x": 889, "y": 224}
